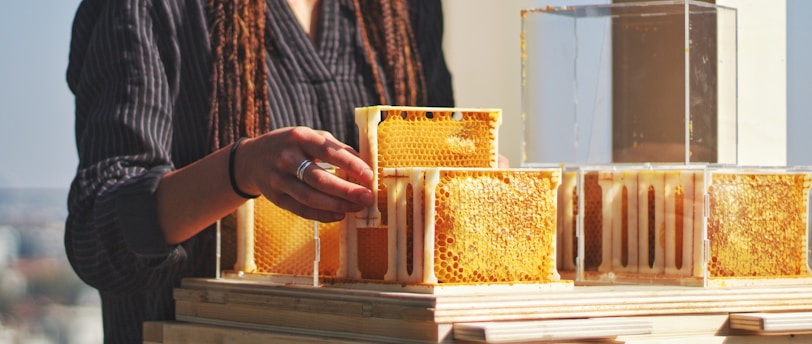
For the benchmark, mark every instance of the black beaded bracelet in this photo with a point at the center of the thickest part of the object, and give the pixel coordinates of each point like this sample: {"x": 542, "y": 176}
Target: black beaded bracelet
{"x": 231, "y": 171}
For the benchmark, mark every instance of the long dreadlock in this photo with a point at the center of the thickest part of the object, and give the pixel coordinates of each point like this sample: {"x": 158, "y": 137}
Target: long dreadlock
{"x": 239, "y": 101}
{"x": 386, "y": 28}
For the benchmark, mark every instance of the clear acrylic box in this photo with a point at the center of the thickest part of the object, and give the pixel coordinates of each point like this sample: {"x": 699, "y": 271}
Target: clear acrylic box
{"x": 684, "y": 224}
{"x": 629, "y": 83}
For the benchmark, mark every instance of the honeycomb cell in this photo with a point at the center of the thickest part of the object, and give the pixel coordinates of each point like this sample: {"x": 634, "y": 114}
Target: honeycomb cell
{"x": 228, "y": 241}
{"x": 410, "y": 138}
{"x": 593, "y": 222}
{"x": 495, "y": 226}
{"x": 284, "y": 243}
{"x": 757, "y": 224}
{"x": 372, "y": 252}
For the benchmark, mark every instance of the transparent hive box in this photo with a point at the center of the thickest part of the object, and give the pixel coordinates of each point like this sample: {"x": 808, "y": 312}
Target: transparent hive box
{"x": 444, "y": 213}
{"x": 701, "y": 225}
{"x": 269, "y": 243}
{"x": 264, "y": 242}
{"x": 408, "y": 237}
{"x": 400, "y": 136}
{"x": 629, "y": 83}
{"x": 464, "y": 226}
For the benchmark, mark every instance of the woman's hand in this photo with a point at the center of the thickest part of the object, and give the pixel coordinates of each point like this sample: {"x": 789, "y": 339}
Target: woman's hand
{"x": 268, "y": 164}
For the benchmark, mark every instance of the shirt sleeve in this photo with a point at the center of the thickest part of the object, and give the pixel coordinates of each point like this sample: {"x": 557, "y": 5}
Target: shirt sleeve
{"x": 427, "y": 23}
{"x": 120, "y": 54}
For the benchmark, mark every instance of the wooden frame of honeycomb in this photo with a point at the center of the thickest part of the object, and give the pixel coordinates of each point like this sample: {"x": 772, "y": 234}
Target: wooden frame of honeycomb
{"x": 401, "y": 136}
{"x": 684, "y": 224}
{"x": 409, "y": 148}
{"x": 466, "y": 226}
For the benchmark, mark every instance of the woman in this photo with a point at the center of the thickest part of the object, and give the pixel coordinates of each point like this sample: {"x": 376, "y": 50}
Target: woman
{"x": 166, "y": 90}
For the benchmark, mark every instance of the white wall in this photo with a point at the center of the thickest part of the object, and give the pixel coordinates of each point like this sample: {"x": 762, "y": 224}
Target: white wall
{"x": 762, "y": 77}
{"x": 482, "y": 43}
{"x": 483, "y": 53}
{"x": 483, "y": 50}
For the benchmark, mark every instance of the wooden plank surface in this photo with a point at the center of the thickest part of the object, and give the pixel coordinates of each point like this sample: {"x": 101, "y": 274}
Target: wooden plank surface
{"x": 580, "y": 302}
{"x": 260, "y": 315}
{"x": 182, "y": 332}
{"x": 421, "y": 317}
{"x": 550, "y": 330}
{"x": 153, "y": 332}
{"x": 695, "y": 329}
{"x": 772, "y": 322}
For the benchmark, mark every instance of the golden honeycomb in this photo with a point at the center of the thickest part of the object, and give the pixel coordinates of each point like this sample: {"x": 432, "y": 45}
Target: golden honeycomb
{"x": 438, "y": 138}
{"x": 228, "y": 241}
{"x": 426, "y": 137}
{"x": 410, "y": 227}
{"x": 372, "y": 252}
{"x": 495, "y": 225}
{"x": 284, "y": 243}
{"x": 593, "y": 221}
{"x": 757, "y": 226}
{"x": 651, "y": 229}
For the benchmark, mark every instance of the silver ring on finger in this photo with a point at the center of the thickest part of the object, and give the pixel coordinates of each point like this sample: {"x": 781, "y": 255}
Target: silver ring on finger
{"x": 301, "y": 169}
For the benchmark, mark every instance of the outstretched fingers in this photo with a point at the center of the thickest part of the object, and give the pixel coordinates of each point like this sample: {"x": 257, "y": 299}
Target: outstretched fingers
{"x": 300, "y": 179}
{"x": 341, "y": 156}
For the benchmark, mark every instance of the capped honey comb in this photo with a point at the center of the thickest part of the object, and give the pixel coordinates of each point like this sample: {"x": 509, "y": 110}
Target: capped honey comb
{"x": 471, "y": 225}
{"x": 495, "y": 225}
{"x": 373, "y": 253}
{"x": 397, "y": 136}
{"x": 757, "y": 226}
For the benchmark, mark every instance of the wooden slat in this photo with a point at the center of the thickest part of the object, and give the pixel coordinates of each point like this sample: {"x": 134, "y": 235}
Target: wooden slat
{"x": 549, "y": 330}
{"x": 153, "y": 332}
{"x": 580, "y": 302}
{"x": 772, "y": 322}
{"x": 599, "y": 301}
{"x": 715, "y": 339}
{"x": 253, "y": 315}
{"x": 180, "y": 332}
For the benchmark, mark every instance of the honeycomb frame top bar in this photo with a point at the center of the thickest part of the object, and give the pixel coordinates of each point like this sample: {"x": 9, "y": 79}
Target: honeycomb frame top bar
{"x": 423, "y": 137}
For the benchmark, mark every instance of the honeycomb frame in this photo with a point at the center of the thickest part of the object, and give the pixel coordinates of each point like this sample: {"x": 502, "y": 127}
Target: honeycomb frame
{"x": 673, "y": 232}
{"x": 436, "y": 238}
{"x": 449, "y": 137}
{"x": 618, "y": 223}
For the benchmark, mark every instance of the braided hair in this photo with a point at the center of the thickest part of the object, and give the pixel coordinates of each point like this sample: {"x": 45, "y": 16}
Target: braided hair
{"x": 239, "y": 99}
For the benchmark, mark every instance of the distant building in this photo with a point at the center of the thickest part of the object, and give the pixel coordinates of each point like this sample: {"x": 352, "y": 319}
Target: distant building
{"x": 9, "y": 246}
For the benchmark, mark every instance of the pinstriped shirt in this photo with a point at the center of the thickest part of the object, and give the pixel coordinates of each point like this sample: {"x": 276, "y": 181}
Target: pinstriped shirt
{"x": 139, "y": 70}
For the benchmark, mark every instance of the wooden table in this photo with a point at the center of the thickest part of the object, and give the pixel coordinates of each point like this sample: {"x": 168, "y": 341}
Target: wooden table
{"x": 244, "y": 311}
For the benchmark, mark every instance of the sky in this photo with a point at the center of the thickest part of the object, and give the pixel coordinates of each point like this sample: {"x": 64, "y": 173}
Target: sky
{"x": 37, "y": 147}
{"x": 36, "y": 107}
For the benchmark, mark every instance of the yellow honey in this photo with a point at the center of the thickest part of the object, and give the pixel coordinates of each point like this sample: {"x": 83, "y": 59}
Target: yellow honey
{"x": 757, "y": 226}
{"x": 499, "y": 227}
{"x": 393, "y": 136}
{"x": 284, "y": 243}
{"x": 495, "y": 226}
{"x": 445, "y": 214}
